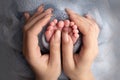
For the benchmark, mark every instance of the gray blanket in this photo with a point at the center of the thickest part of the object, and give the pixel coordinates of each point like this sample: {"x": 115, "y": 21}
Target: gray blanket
{"x": 105, "y": 12}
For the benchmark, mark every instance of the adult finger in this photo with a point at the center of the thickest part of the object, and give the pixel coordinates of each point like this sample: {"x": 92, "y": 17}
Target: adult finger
{"x": 31, "y": 38}
{"x": 48, "y": 11}
{"x": 55, "y": 48}
{"x": 88, "y": 16}
{"x": 36, "y": 19}
{"x": 39, "y": 11}
{"x": 79, "y": 21}
{"x": 67, "y": 49}
{"x": 27, "y": 16}
{"x": 40, "y": 24}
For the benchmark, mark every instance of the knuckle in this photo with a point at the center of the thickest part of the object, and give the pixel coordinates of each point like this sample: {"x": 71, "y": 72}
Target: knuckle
{"x": 28, "y": 32}
{"x": 25, "y": 28}
{"x": 91, "y": 28}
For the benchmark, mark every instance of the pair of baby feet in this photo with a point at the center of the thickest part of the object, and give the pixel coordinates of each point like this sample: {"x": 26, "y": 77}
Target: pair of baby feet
{"x": 65, "y": 25}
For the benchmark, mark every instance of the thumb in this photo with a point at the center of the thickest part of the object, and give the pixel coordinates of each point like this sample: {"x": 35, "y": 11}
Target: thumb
{"x": 67, "y": 49}
{"x": 55, "y": 47}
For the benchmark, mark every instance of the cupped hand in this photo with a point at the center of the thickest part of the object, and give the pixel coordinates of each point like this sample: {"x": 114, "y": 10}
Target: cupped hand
{"x": 48, "y": 66}
{"x": 78, "y": 66}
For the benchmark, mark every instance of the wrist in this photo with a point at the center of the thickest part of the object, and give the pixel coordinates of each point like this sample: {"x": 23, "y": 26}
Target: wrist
{"x": 84, "y": 76}
{"x": 38, "y": 78}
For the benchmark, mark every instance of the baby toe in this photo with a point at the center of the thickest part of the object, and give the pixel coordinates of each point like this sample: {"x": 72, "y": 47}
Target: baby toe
{"x": 60, "y": 25}
{"x": 72, "y": 23}
{"x": 67, "y": 23}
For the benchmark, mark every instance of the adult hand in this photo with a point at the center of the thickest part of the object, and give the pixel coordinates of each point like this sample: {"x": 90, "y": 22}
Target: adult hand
{"x": 48, "y": 66}
{"x": 78, "y": 66}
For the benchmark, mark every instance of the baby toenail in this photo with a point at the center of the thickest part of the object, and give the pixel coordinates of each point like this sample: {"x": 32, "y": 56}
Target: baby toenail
{"x": 55, "y": 20}
{"x": 48, "y": 11}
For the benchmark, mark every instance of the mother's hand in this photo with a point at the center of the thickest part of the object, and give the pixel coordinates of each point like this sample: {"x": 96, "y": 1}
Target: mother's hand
{"x": 46, "y": 67}
{"x": 78, "y": 66}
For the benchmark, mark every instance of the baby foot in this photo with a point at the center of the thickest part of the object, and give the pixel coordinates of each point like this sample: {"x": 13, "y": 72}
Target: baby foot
{"x": 54, "y": 25}
{"x": 72, "y": 30}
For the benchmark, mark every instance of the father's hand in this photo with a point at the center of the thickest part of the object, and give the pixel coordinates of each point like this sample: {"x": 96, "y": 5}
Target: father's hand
{"x": 46, "y": 67}
{"x": 78, "y": 66}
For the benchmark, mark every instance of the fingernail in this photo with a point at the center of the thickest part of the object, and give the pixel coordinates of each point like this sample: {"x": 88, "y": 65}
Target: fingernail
{"x": 48, "y": 11}
{"x": 40, "y": 7}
